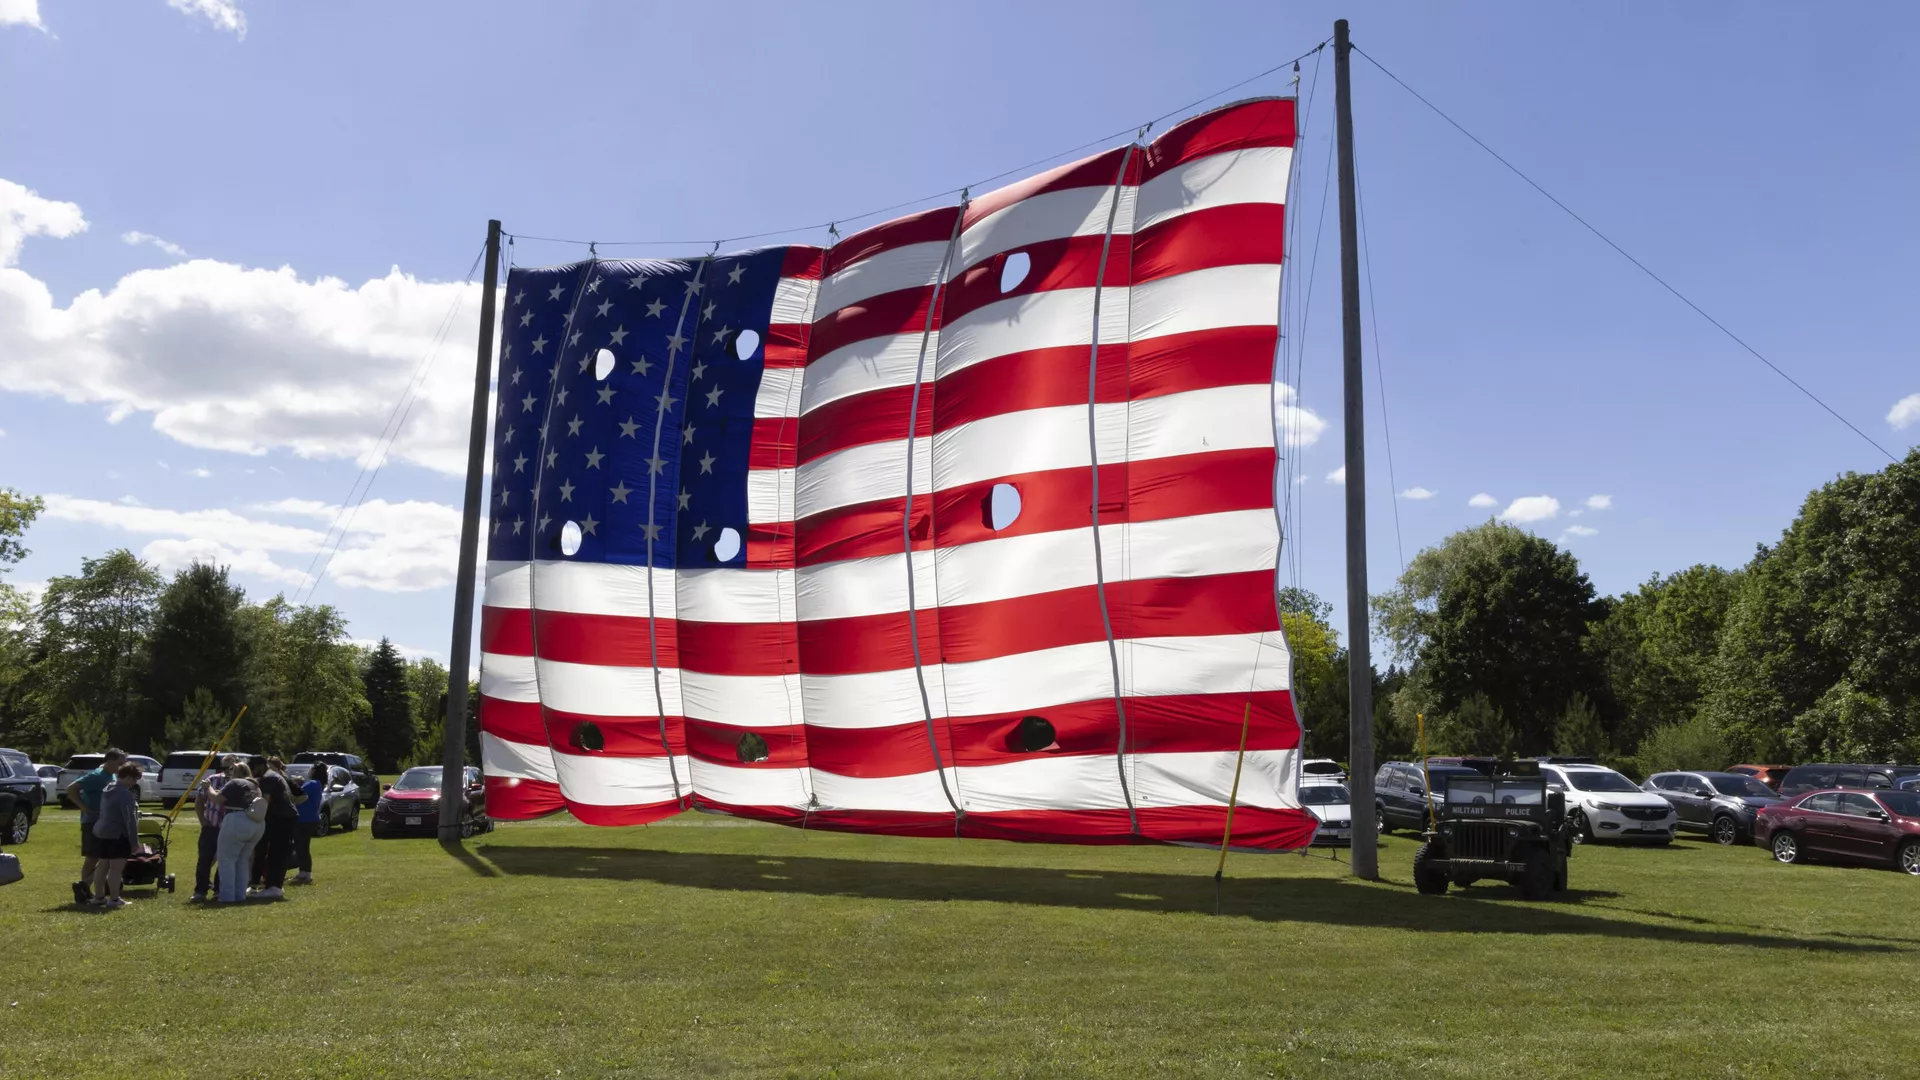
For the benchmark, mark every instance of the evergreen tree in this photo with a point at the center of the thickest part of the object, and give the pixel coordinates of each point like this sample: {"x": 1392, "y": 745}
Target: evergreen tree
{"x": 196, "y": 644}
{"x": 391, "y": 728}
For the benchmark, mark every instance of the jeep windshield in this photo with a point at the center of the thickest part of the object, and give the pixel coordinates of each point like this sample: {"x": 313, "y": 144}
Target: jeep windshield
{"x": 1600, "y": 780}
{"x": 1323, "y": 795}
{"x": 1479, "y": 791}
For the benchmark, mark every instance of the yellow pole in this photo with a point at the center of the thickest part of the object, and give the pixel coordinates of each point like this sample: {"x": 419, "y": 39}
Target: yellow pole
{"x": 1246, "y": 718}
{"x": 1426, "y": 780}
{"x": 211, "y": 754}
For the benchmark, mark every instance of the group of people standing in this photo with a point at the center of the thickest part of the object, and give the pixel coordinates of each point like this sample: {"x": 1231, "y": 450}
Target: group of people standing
{"x": 255, "y": 822}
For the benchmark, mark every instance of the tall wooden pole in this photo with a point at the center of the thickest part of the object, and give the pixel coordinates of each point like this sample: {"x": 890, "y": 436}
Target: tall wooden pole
{"x": 453, "y": 760}
{"x": 1366, "y": 861}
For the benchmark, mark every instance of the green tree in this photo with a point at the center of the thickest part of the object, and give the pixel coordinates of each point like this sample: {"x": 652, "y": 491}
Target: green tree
{"x": 200, "y": 720}
{"x": 1319, "y": 686}
{"x": 1474, "y": 726}
{"x": 17, "y": 511}
{"x": 1657, "y": 645}
{"x": 91, "y": 628}
{"x": 1689, "y": 744}
{"x": 390, "y": 730}
{"x": 79, "y": 732}
{"x": 1494, "y": 612}
{"x": 303, "y": 679}
{"x": 1578, "y": 732}
{"x": 197, "y": 644}
{"x": 1819, "y": 656}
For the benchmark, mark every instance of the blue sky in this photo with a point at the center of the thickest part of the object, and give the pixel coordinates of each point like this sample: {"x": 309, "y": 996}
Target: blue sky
{"x": 331, "y": 166}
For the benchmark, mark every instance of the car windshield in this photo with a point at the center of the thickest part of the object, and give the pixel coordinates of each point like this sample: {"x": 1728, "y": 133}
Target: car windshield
{"x": 1903, "y": 803}
{"x": 1323, "y": 795}
{"x": 1745, "y": 786}
{"x": 1600, "y": 780}
{"x": 418, "y": 780}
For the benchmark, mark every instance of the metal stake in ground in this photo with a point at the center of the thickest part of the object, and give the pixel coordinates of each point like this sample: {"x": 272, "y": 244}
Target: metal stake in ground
{"x": 453, "y": 758}
{"x": 1366, "y": 857}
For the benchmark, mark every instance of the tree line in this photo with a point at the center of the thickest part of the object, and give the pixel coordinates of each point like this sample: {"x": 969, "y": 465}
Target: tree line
{"x": 1811, "y": 651}
{"x": 120, "y": 654}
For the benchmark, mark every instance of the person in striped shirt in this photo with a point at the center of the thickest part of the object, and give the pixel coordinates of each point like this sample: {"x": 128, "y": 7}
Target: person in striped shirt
{"x": 208, "y": 807}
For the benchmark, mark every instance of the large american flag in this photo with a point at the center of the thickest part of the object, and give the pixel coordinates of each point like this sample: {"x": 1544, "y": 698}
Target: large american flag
{"x": 963, "y": 525}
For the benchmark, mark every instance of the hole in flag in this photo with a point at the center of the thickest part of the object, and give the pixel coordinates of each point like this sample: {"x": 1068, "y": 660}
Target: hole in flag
{"x": 728, "y": 546}
{"x": 1003, "y": 506}
{"x": 745, "y": 343}
{"x": 752, "y": 748}
{"x": 603, "y": 363}
{"x": 569, "y": 538}
{"x": 1032, "y": 733}
{"x": 1014, "y": 271}
{"x": 586, "y": 736}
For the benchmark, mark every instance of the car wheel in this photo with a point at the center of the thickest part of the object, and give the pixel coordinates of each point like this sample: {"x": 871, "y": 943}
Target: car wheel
{"x": 1536, "y": 881}
{"x": 1582, "y": 829}
{"x": 1429, "y": 879}
{"x": 353, "y": 821}
{"x": 22, "y": 826}
{"x": 1380, "y": 820}
{"x": 1726, "y": 831}
{"x": 1786, "y": 848}
{"x": 1909, "y": 859}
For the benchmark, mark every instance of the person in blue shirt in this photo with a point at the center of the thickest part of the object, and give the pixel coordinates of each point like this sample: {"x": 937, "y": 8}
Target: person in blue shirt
{"x": 311, "y": 823}
{"x": 85, "y": 793}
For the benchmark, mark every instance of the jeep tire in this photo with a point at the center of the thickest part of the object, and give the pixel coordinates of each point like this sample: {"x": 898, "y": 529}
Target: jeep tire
{"x": 1429, "y": 879}
{"x": 1536, "y": 881}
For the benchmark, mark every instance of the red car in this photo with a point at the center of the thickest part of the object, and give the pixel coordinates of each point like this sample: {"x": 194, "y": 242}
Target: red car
{"x": 411, "y": 805}
{"x": 1879, "y": 827}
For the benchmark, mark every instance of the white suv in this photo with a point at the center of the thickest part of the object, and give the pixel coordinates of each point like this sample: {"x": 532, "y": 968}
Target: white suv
{"x": 1604, "y": 805}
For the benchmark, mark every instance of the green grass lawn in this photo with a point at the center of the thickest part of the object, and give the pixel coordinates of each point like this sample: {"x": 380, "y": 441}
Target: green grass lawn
{"x": 705, "y": 946}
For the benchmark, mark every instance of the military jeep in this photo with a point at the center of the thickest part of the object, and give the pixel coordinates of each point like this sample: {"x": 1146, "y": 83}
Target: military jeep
{"x": 1504, "y": 825}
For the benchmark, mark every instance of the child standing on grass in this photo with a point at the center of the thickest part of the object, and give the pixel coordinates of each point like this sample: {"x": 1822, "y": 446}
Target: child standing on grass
{"x": 117, "y": 829}
{"x": 311, "y": 824}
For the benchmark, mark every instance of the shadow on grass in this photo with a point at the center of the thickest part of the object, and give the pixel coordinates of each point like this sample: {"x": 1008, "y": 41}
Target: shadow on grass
{"x": 458, "y": 849}
{"x": 1316, "y": 900}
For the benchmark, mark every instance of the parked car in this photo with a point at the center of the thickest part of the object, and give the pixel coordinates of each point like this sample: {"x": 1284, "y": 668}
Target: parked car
{"x": 1485, "y": 766}
{"x": 86, "y": 763}
{"x": 49, "y": 780}
{"x": 1720, "y": 804}
{"x": 1400, "y": 793}
{"x": 1769, "y": 775}
{"x": 1804, "y": 778}
{"x": 1878, "y": 827}
{"x": 20, "y": 781}
{"x": 1328, "y": 803}
{"x": 179, "y": 769}
{"x": 363, "y": 775}
{"x": 1315, "y": 770}
{"x": 1604, "y": 805}
{"x": 339, "y": 796}
{"x": 411, "y": 805}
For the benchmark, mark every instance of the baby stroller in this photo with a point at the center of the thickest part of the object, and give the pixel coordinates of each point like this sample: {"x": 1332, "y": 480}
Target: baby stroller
{"x": 151, "y": 869}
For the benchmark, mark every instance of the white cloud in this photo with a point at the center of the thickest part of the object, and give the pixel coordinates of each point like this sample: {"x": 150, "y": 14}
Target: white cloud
{"x": 1905, "y": 412}
{"x": 21, "y": 13}
{"x": 1418, "y": 493}
{"x": 389, "y": 547}
{"x": 1599, "y": 502}
{"x": 1483, "y": 501}
{"x": 137, "y": 238}
{"x": 1530, "y": 508}
{"x": 229, "y": 358}
{"x": 1579, "y": 530}
{"x": 24, "y": 213}
{"x": 1298, "y": 425}
{"x": 224, "y": 14}
{"x": 199, "y": 474}
{"x": 1338, "y": 476}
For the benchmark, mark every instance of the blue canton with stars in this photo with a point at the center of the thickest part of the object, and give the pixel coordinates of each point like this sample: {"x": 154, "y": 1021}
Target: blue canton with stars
{"x": 571, "y": 446}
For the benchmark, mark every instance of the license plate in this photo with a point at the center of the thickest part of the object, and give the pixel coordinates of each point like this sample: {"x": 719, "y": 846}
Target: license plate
{"x": 413, "y": 821}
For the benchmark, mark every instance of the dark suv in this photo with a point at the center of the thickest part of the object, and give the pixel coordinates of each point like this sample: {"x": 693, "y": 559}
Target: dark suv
{"x": 1802, "y": 778}
{"x": 362, "y": 773}
{"x": 1721, "y": 804}
{"x": 1400, "y": 793}
{"x": 20, "y": 779}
